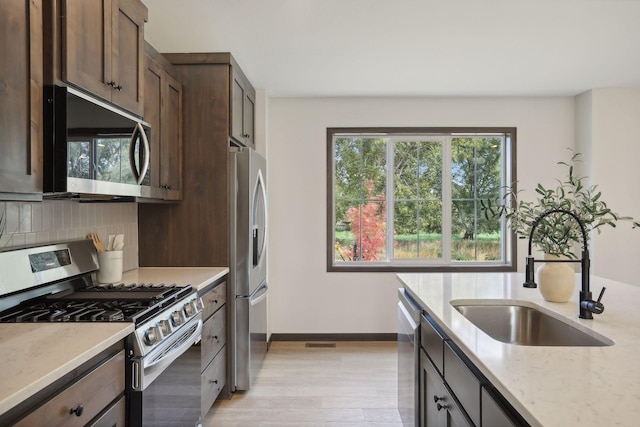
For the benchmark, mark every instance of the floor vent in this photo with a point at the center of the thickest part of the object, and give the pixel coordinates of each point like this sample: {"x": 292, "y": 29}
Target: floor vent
{"x": 320, "y": 345}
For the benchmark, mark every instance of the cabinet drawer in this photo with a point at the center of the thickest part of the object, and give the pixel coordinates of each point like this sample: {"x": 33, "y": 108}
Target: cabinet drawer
{"x": 463, "y": 383}
{"x": 213, "y": 379}
{"x": 432, "y": 342}
{"x": 213, "y": 336}
{"x": 214, "y": 299}
{"x": 493, "y": 414}
{"x": 93, "y": 392}
{"x": 114, "y": 417}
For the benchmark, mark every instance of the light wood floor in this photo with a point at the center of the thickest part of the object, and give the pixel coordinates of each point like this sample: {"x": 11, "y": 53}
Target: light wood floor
{"x": 351, "y": 385}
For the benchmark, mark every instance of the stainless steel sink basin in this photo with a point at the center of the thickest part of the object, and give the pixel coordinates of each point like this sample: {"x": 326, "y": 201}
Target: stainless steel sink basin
{"x": 515, "y": 323}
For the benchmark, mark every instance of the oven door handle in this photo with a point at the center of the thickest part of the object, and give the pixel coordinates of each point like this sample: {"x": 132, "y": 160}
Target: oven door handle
{"x": 173, "y": 353}
{"x": 144, "y": 370}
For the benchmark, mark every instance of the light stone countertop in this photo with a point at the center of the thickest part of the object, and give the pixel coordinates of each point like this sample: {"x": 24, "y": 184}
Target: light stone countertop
{"x": 198, "y": 277}
{"x": 34, "y": 355}
{"x": 549, "y": 386}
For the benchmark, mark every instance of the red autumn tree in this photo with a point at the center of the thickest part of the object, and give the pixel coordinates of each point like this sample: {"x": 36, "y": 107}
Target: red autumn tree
{"x": 368, "y": 227}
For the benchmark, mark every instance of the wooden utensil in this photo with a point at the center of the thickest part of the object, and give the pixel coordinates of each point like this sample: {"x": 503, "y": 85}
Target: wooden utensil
{"x": 96, "y": 241}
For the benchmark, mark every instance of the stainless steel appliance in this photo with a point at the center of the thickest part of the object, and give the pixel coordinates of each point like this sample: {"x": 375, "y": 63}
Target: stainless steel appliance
{"x": 408, "y": 352}
{"x": 93, "y": 148}
{"x": 53, "y": 284}
{"x": 248, "y": 267}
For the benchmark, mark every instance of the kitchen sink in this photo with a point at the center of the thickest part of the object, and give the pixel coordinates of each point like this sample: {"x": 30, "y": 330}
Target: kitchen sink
{"x": 515, "y": 323}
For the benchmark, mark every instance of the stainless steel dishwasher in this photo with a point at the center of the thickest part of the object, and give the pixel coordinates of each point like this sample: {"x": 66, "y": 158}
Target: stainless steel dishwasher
{"x": 408, "y": 352}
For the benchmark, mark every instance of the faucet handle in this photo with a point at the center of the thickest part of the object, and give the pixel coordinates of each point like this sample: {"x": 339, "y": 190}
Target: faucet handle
{"x": 595, "y": 307}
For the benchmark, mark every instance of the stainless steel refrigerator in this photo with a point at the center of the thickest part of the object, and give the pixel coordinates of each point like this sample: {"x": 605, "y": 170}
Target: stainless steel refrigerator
{"x": 248, "y": 267}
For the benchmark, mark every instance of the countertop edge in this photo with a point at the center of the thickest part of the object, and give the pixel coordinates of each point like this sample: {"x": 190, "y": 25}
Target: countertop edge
{"x": 23, "y": 394}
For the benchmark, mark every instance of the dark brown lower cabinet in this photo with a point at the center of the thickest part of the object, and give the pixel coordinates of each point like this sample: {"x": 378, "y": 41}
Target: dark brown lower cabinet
{"x": 213, "y": 348}
{"x": 437, "y": 406}
{"x": 452, "y": 391}
{"x": 90, "y": 395}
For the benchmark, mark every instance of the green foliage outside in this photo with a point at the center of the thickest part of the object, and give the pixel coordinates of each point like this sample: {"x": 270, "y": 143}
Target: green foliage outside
{"x": 418, "y": 191}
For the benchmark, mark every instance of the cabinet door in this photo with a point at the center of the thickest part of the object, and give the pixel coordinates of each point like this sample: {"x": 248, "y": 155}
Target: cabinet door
{"x": 127, "y": 47}
{"x": 171, "y": 141}
{"x": 249, "y": 107}
{"x": 87, "y": 45}
{"x": 21, "y": 97}
{"x": 242, "y": 111}
{"x": 237, "y": 110}
{"x": 152, "y": 114}
{"x": 493, "y": 414}
{"x": 431, "y": 394}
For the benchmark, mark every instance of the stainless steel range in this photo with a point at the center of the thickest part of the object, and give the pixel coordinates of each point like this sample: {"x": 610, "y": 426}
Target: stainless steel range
{"x": 53, "y": 283}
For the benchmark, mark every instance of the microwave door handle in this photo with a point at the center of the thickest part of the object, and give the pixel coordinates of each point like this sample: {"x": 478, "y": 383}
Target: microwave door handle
{"x": 139, "y": 174}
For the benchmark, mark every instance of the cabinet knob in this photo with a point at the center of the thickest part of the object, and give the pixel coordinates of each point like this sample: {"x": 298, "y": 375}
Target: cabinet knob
{"x": 213, "y": 381}
{"x": 246, "y": 135}
{"x": 119, "y": 87}
{"x": 436, "y": 398}
{"x": 111, "y": 83}
{"x": 439, "y": 406}
{"x": 78, "y": 410}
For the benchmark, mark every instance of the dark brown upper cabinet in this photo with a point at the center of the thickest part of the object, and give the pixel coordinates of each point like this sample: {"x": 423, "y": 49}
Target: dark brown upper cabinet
{"x": 243, "y": 100}
{"x": 163, "y": 111}
{"x": 102, "y": 48}
{"x": 21, "y": 77}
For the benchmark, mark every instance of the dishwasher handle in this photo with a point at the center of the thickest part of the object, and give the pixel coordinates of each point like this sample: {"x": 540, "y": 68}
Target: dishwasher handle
{"x": 411, "y": 307}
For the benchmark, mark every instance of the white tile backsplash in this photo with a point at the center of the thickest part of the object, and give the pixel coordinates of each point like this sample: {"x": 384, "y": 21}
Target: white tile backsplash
{"x": 50, "y": 221}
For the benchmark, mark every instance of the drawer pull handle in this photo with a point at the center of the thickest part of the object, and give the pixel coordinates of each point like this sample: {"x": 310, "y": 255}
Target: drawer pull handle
{"x": 439, "y": 406}
{"x": 78, "y": 411}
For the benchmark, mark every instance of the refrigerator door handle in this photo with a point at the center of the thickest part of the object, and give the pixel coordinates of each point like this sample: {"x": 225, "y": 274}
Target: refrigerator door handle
{"x": 259, "y": 294}
{"x": 252, "y": 296}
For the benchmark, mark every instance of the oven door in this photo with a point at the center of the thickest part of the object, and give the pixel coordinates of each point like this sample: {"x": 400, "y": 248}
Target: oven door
{"x": 164, "y": 387}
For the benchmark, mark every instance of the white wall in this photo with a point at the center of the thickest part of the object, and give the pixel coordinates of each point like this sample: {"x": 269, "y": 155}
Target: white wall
{"x": 615, "y": 155}
{"x": 305, "y": 298}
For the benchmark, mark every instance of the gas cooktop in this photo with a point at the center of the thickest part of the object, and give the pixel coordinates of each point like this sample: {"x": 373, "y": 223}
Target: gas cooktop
{"x": 111, "y": 303}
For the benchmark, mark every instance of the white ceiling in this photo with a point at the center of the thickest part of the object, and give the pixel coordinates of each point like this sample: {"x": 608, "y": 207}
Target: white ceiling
{"x": 411, "y": 47}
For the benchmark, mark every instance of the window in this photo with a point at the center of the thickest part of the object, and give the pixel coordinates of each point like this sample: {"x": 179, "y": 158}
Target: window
{"x": 410, "y": 199}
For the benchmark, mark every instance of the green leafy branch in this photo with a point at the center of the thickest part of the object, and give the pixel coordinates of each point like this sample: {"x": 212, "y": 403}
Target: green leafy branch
{"x": 556, "y": 234}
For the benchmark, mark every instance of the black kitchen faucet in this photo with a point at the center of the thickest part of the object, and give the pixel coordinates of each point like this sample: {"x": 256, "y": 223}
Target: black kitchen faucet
{"x": 587, "y": 306}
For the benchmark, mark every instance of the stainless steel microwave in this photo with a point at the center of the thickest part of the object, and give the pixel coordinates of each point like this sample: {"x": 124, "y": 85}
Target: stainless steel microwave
{"x": 93, "y": 149}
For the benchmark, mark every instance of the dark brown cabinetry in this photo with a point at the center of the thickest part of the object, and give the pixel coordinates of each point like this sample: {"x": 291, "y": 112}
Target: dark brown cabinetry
{"x": 195, "y": 232}
{"x": 213, "y": 349}
{"x": 100, "y": 46}
{"x": 243, "y": 101}
{"x": 91, "y": 395}
{"x": 21, "y": 78}
{"x": 452, "y": 391}
{"x": 163, "y": 111}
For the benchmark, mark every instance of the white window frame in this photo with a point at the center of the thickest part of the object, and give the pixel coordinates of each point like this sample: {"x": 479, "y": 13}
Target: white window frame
{"x": 446, "y": 135}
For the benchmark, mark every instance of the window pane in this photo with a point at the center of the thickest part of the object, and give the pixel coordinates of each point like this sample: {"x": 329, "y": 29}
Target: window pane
{"x": 360, "y": 188}
{"x": 421, "y": 235}
{"x": 474, "y": 238}
{"x": 417, "y": 199}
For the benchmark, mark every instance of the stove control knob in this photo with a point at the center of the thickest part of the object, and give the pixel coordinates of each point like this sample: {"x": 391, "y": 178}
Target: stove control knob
{"x": 165, "y": 327}
{"x": 152, "y": 335}
{"x": 177, "y": 318}
{"x": 190, "y": 308}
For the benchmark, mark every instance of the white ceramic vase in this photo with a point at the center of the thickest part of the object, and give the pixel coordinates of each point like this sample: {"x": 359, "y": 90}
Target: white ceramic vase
{"x": 556, "y": 280}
